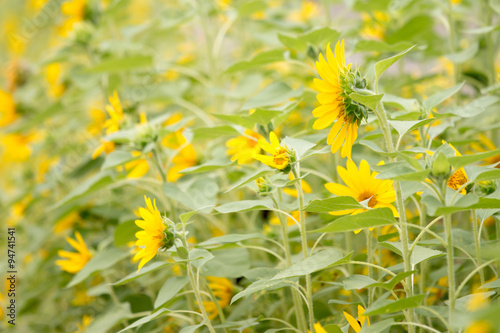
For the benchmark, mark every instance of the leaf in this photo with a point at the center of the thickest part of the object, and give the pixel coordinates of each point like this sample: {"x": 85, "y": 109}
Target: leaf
{"x": 102, "y": 260}
{"x": 105, "y": 322}
{"x": 373, "y": 146}
{"x": 440, "y": 97}
{"x": 95, "y": 183}
{"x": 333, "y": 204}
{"x": 230, "y": 239}
{"x": 383, "y": 65}
{"x": 380, "y": 46}
{"x": 418, "y": 255}
{"x": 487, "y": 175}
{"x": 298, "y": 145}
{"x": 463, "y": 55}
{"x": 273, "y": 94}
{"x": 206, "y": 133}
{"x": 125, "y": 232}
{"x": 370, "y": 101}
{"x": 314, "y": 37}
{"x": 229, "y": 263}
{"x": 257, "y": 174}
{"x": 207, "y": 166}
{"x": 404, "y": 126}
{"x": 369, "y": 219}
{"x": 250, "y": 7}
{"x": 408, "y": 104}
{"x": 461, "y": 161}
{"x": 481, "y": 203}
{"x": 492, "y": 284}
{"x": 145, "y": 320}
{"x": 259, "y": 286}
{"x": 475, "y": 107}
{"x": 245, "y": 205}
{"x": 192, "y": 328}
{"x": 378, "y": 326}
{"x": 116, "y": 158}
{"x": 144, "y": 271}
{"x": 396, "y": 306}
{"x": 400, "y": 171}
{"x": 121, "y": 65}
{"x": 357, "y": 281}
{"x": 170, "y": 289}
{"x": 263, "y": 58}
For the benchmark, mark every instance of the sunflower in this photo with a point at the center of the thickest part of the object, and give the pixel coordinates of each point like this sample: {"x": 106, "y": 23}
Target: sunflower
{"x": 357, "y": 324}
{"x": 362, "y": 186}
{"x": 7, "y": 109}
{"x": 53, "y": 78}
{"x": 459, "y": 177}
{"x": 338, "y": 81}
{"x": 111, "y": 125}
{"x": 152, "y": 238}
{"x": 485, "y": 145}
{"x": 280, "y": 155}
{"x": 222, "y": 289}
{"x": 74, "y": 11}
{"x": 243, "y": 147}
{"x": 138, "y": 167}
{"x": 74, "y": 262}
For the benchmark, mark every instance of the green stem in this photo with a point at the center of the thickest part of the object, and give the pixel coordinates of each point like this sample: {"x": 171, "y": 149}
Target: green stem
{"x": 369, "y": 259}
{"x": 297, "y": 303}
{"x": 453, "y": 41}
{"x": 384, "y": 125}
{"x": 477, "y": 243}
{"x": 303, "y": 236}
{"x": 490, "y": 50}
{"x": 451, "y": 268}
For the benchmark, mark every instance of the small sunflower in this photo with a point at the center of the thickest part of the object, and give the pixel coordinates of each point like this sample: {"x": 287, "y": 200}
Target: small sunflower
{"x": 357, "y": 324}
{"x": 338, "y": 81}
{"x": 280, "y": 155}
{"x": 362, "y": 185}
{"x": 74, "y": 262}
{"x": 222, "y": 289}
{"x": 459, "y": 177}
{"x": 112, "y": 125}
{"x": 242, "y": 148}
{"x": 153, "y": 237}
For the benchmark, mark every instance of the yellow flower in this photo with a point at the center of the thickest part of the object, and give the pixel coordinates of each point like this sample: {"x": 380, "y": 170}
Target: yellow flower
{"x": 86, "y": 321}
{"x": 279, "y": 158}
{"x": 481, "y": 326}
{"x": 81, "y": 298}
{"x": 136, "y": 168}
{"x": 15, "y": 147}
{"x": 293, "y": 192}
{"x": 185, "y": 157}
{"x": 362, "y": 185}
{"x": 308, "y": 9}
{"x": 66, "y": 222}
{"x": 152, "y": 238}
{"x": 74, "y": 262}
{"x": 115, "y": 112}
{"x": 242, "y": 148}
{"x": 360, "y": 322}
{"x": 53, "y": 77}
{"x": 7, "y": 109}
{"x": 336, "y": 106}
{"x": 222, "y": 289}
{"x": 75, "y": 12}
{"x": 485, "y": 145}
{"x": 318, "y": 328}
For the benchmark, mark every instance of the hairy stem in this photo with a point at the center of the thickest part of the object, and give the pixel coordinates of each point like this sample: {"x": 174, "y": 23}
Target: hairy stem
{"x": 451, "y": 268}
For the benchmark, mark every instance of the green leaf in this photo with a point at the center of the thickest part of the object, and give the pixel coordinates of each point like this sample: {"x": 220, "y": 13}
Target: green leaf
{"x": 169, "y": 289}
{"x": 245, "y": 205}
{"x": 440, "y": 97}
{"x": 95, "y": 183}
{"x": 380, "y": 46}
{"x": 487, "y": 175}
{"x": 105, "y": 322}
{"x": 357, "y": 281}
{"x": 373, "y": 146}
{"x": 370, "y": 101}
{"x": 492, "y": 284}
{"x": 369, "y": 219}
{"x": 121, "y": 65}
{"x": 464, "y": 55}
{"x": 408, "y": 104}
{"x": 230, "y": 239}
{"x": 378, "y": 326}
{"x": 250, "y": 7}
{"x": 125, "y": 232}
{"x": 481, "y": 203}
{"x": 404, "y": 126}
{"x": 116, "y": 158}
{"x": 333, "y": 204}
{"x": 145, "y": 320}
{"x": 144, "y": 271}
{"x": 207, "y": 133}
{"x": 102, "y": 260}
{"x": 460, "y": 161}
{"x": 260, "y": 285}
{"x": 208, "y": 166}
{"x": 192, "y": 328}
{"x": 273, "y": 94}
{"x": 332, "y": 329}
{"x": 383, "y": 65}
{"x": 400, "y": 171}
{"x": 315, "y": 38}
{"x": 396, "y": 306}
{"x": 263, "y": 58}
{"x": 418, "y": 255}
{"x": 229, "y": 263}
{"x": 257, "y": 174}
{"x": 182, "y": 252}
{"x": 475, "y": 107}
{"x": 298, "y": 145}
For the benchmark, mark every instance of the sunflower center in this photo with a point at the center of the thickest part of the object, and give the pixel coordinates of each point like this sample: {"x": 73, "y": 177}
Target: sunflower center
{"x": 457, "y": 179}
{"x": 368, "y": 195}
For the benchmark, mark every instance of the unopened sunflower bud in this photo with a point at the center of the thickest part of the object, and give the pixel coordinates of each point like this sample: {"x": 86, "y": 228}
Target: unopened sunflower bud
{"x": 263, "y": 186}
{"x": 440, "y": 166}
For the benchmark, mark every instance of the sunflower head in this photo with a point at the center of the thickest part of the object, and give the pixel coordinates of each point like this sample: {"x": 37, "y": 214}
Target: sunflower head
{"x": 350, "y": 82}
{"x": 281, "y": 157}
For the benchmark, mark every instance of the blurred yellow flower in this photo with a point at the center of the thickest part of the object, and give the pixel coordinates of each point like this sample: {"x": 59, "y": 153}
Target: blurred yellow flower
{"x": 308, "y": 10}
{"x": 74, "y": 262}
{"x": 152, "y": 238}
{"x": 115, "y": 112}
{"x": 137, "y": 168}
{"x": 280, "y": 155}
{"x": 66, "y": 222}
{"x": 242, "y": 148}
{"x": 53, "y": 76}
{"x": 7, "y": 109}
{"x": 222, "y": 289}
{"x": 15, "y": 147}
{"x": 296, "y": 215}
{"x": 86, "y": 321}
{"x": 336, "y": 107}
{"x": 357, "y": 324}
{"x": 485, "y": 145}
{"x": 75, "y": 12}
{"x": 362, "y": 185}
{"x": 318, "y": 328}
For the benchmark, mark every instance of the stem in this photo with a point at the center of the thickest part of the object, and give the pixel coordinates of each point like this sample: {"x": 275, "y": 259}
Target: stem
{"x": 303, "y": 236}
{"x": 477, "y": 243}
{"x": 451, "y": 269}
{"x": 369, "y": 259}
{"x": 297, "y": 303}
{"x": 453, "y": 42}
{"x": 384, "y": 125}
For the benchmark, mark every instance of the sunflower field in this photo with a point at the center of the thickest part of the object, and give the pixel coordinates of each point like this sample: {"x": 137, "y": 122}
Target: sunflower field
{"x": 251, "y": 166}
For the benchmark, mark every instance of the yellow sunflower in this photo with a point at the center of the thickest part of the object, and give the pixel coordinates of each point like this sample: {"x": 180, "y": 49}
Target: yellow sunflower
{"x": 7, "y": 109}
{"x": 86, "y": 321}
{"x": 280, "y": 155}
{"x": 137, "y": 168}
{"x": 152, "y": 238}
{"x": 318, "y": 328}
{"x": 242, "y": 148}
{"x": 485, "y": 145}
{"x": 459, "y": 177}
{"x": 111, "y": 125}
{"x": 338, "y": 81}
{"x": 74, "y": 262}
{"x": 362, "y": 185}
{"x": 222, "y": 289}
{"x": 357, "y": 324}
